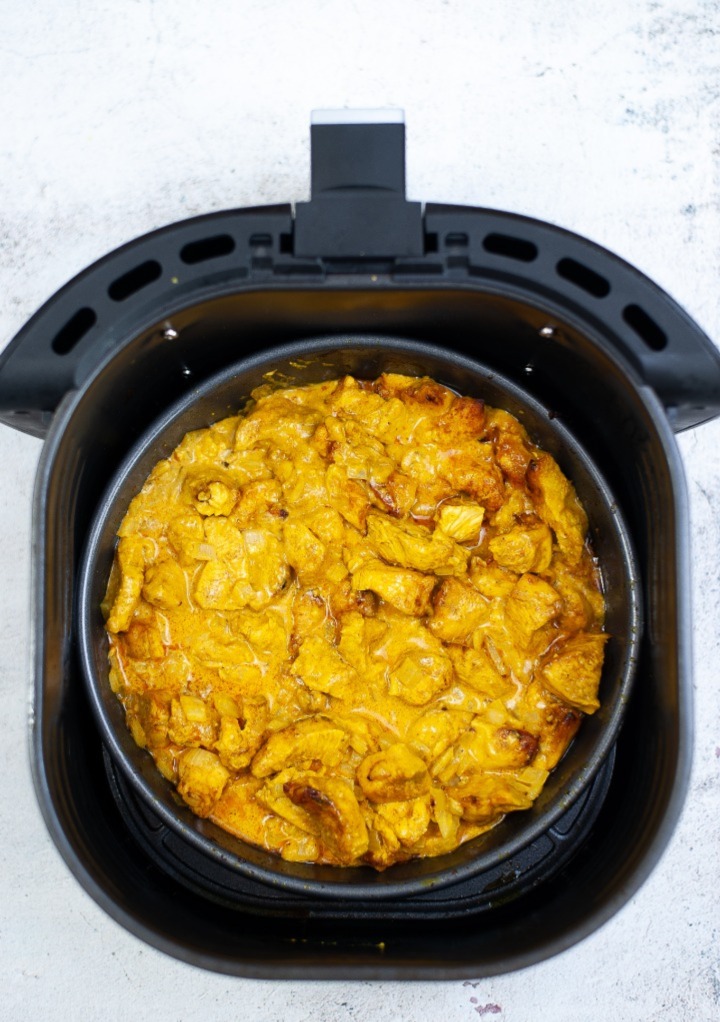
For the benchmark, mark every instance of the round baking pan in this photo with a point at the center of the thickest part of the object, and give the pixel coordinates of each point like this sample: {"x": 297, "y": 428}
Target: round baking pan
{"x": 312, "y": 361}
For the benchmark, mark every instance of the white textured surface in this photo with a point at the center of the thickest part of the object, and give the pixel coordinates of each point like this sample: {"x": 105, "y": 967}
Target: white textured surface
{"x": 118, "y": 117}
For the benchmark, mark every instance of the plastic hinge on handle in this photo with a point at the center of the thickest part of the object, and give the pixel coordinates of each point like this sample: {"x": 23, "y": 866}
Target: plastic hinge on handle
{"x": 358, "y": 210}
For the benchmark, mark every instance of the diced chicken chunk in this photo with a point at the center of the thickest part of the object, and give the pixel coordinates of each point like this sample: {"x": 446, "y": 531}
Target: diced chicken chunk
{"x": 132, "y": 553}
{"x": 326, "y": 807}
{"x": 461, "y": 521}
{"x": 165, "y": 585}
{"x": 487, "y": 794}
{"x": 299, "y": 745}
{"x": 531, "y": 604}
{"x": 202, "y": 778}
{"x": 393, "y": 775}
{"x": 321, "y": 668}
{"x": 523, "y": 550}
{"x": 403, "y": 588}
{"x": 573, "y": 674}
{"x": 413, "y": 546}
{"x": 458, "y": 609}
{"x": 558, "y": 505}
{"x": 303, "y": 549}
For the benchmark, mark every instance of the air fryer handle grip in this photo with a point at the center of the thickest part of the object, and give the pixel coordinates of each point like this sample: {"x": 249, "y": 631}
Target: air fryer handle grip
{"x": 357, "y": 210}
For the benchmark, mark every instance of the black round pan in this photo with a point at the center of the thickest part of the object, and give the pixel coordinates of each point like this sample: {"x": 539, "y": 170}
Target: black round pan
{"x": 366, "y": 358}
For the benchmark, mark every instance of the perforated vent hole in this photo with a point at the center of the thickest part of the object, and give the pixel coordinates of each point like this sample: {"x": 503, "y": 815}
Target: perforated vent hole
{"x": 207, "y": 248}
{"x": 583, "y": 277}
{"x": 74, "y": 330}
{"x": 510, "y": 247}
{"x": 134, "y": 280}
{"x": 645, "y": 327}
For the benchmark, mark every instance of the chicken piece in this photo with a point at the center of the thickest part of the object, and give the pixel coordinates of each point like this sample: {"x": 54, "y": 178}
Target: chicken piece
{"x": 215, "y": 498}
{"x": 531, "y": 604}
{"x": 250, "y": 570}
{"x": 583, "y": 602}
{"x": 486, "y": 796}
{"x": 517, "y": 508}
{"x": 281, "y": 420}
{"x": 423, "y": 465}
{"x": 475, "y": 668}
{"x": 323, "y": 806}
{"x": 142, "y": 641}
{"x": 347, "y": 496}
{"x": 573, "y": 672}
{"x": 256, "y": 499}
{"x": 239, "y": 812}
{"x": 461, "y": 520}
{"x": 301, "y": 744}
{"x": 458, "y": 610}
{"x": 413, "y": 546}
{"x": 321, "y": 668}
{"x": 226, "y": 540}
{"x": 327, "y": 524}
{"x": 554, "y": 721}
{"x": 303, "y": 549}
{"x": 419, "y": 666}
{"x": 486, "y": 746}
{"x": 265, "y": 630}
{"x": 462, "y": 419}
{"x": 406, "y": 590}
{"x": 207, "y": 445}
{"x": 408, "y": 820}
{"x": 192, "y": 722}
{"x": 202, "y": 779}
{"x": 148, "y": 716}
{"x": 354, "y": 644}
{"x": 132, "y": 554}
{"x": 303, "y": 484}
{"x": 558, "y": 506}
{"x": 523, "y": 549}
{"x": 239, "y": 740}
{"x": 419, "y": 677}
{"x": 436, "y": 730}
{"x": 165, "y": 585}
{"x": 511, "y": 444}
{"x": 471, "y": 469}
{"x": 491, "y": 579}
{"x": 412, "y": 390}
{"x": 186, "y": 535}
{"x": 309, "y": 617}
{"x": 343, "y": 599}
{"x": 395, "y": 495}
{"x": 361, "y": 455}
{"x": 394, "y": 775}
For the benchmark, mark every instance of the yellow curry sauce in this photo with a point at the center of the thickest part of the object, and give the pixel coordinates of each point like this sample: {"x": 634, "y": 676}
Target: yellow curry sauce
{"x": 358, "y": 623}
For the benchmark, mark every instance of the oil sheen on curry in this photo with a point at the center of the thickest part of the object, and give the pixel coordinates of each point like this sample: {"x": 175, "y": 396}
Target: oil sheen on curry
{"x": 358, "y": 623}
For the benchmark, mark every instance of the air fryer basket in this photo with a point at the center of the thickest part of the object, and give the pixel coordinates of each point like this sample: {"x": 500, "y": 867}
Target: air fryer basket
{"x": 602, "y": 349}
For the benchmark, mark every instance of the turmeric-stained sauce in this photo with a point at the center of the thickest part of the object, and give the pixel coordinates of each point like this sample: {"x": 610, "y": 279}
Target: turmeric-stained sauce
{"x": 359, "y": 623}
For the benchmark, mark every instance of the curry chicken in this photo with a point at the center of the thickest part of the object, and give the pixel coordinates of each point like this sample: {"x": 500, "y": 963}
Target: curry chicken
{"x": 358, "y": 623}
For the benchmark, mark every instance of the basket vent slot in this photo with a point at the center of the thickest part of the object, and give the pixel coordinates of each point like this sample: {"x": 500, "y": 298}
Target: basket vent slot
{"x": 134, "y": 280}
{"x": 645, "y": 327}
{"x": 510, "y": 247}
{"x": 583, "y": 277}
{"x": 207, "y": 248}
{"x": 74, "y": 330}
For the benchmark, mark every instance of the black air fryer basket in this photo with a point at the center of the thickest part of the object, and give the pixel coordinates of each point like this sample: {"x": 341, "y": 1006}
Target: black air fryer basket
{"x": 601, "y": 348}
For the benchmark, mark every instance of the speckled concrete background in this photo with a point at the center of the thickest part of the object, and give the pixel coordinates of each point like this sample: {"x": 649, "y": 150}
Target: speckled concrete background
{"x": 117, "y": 117}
